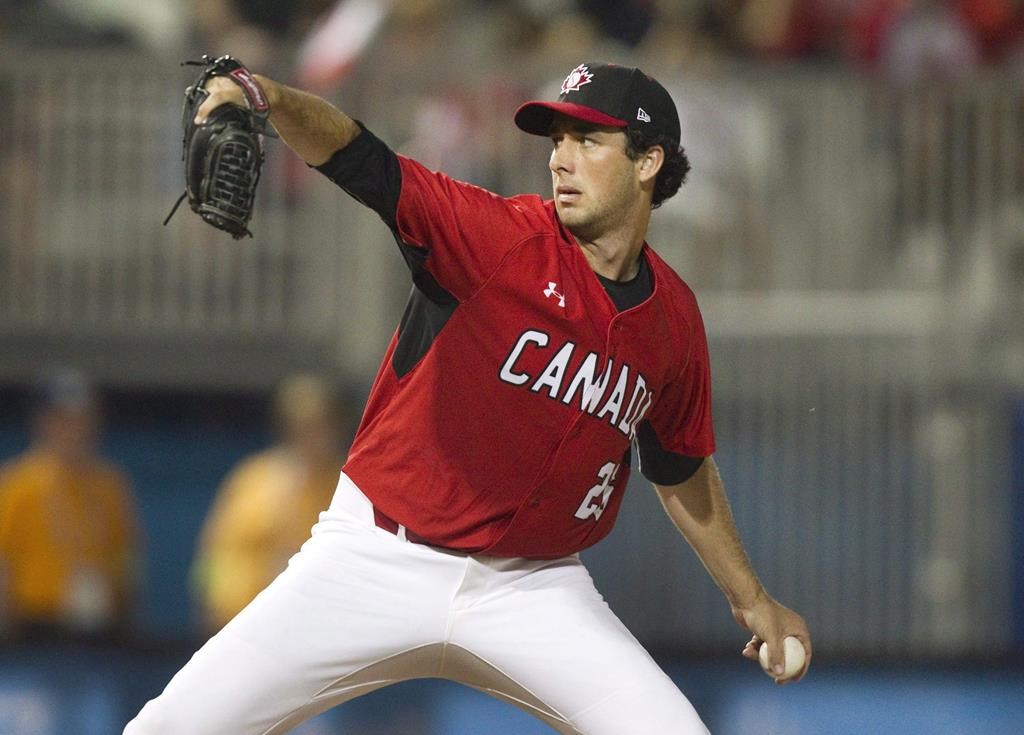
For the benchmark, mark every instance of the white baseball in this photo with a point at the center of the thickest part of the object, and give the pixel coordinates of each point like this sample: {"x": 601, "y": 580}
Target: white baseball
{"x": 795, "y": 657}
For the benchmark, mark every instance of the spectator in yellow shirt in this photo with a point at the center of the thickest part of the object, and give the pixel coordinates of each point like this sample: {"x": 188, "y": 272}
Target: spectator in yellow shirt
{"x": 264, "y": 510}
{"x": 68, "y": 524}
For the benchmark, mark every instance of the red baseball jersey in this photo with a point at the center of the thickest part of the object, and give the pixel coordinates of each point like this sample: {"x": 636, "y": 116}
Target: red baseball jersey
{"x": 501, "y": 419}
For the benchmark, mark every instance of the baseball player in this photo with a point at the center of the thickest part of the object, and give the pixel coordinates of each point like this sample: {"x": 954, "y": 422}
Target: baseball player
{"x": 542, "y": 339}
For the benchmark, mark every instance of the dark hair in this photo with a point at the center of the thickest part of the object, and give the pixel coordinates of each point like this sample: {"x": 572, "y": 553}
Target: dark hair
{"x": 673, "y": 170}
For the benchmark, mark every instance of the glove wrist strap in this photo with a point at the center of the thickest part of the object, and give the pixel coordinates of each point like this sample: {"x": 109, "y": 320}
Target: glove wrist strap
{"x": 254, "y": 93}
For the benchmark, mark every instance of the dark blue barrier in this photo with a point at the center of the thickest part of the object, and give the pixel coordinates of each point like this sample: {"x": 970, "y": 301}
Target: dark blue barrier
{"x": 1017, "y": 526}
{"x": 78, "y": 690}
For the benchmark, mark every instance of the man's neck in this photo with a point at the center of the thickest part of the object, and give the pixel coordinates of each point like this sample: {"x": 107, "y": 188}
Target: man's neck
{"x": 614, "y": 252}
{"x": 615, "y": 256}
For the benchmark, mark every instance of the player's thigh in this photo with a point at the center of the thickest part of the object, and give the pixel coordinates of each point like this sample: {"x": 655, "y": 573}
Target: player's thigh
{"x": 561, "y": 642}
{"x": 341, "y": 609}
{"x": 229, "y": 687}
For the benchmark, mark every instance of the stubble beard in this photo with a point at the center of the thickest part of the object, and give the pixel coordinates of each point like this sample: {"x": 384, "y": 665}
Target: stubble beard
{"x": 585, "y": 225}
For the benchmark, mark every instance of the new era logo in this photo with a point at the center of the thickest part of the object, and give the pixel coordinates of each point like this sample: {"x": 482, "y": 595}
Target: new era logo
{"x": 641, "y": 115}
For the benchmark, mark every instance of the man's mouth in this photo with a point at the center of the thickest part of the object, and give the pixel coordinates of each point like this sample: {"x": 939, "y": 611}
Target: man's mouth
{"x": 567, "y": 194}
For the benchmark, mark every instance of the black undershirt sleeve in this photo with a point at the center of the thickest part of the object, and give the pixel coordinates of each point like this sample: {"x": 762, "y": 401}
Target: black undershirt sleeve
{"x": 658, "y": 464}
{"x": 368, "y": 170}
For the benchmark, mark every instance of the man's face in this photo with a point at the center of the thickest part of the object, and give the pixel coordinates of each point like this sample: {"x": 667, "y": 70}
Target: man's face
{"x": 594, "y": 182}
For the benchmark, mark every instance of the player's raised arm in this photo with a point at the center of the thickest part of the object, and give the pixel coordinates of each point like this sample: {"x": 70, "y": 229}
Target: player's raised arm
{"x": 310, "y": 125}
{"x": 700, "y": 510}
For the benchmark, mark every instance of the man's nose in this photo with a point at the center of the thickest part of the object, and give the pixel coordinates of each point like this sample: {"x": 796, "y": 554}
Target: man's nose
{"x": 561, "y": 157}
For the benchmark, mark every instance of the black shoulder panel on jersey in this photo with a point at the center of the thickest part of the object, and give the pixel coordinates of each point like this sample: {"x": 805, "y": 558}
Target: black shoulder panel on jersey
{"x": 368, "y": 170}
{"x": 658, "y": 464}
{"x": 429, "y": 308}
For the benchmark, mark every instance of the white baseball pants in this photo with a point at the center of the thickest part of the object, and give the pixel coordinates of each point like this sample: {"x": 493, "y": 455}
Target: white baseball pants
{"x": 359, "y": 608}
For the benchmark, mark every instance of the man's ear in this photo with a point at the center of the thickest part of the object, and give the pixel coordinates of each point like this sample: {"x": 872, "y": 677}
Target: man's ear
{"x": 649, "y": 164}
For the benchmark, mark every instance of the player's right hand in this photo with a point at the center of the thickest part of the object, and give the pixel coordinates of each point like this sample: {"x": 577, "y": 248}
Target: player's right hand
{"x": 221, "y": 91}
{"x": 770, "y": 622}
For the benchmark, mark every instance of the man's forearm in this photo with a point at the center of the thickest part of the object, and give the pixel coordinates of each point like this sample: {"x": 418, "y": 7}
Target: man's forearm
{"x": 310, "y": 125}
{"x": 700, "y": 510}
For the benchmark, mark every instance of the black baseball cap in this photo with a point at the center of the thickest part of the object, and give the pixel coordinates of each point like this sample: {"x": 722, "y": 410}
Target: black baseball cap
{"x": 606, "y": 94}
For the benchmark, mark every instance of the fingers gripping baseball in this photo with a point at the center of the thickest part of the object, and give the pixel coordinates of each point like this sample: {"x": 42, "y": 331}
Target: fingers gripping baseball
{"x": 771, "y": 623}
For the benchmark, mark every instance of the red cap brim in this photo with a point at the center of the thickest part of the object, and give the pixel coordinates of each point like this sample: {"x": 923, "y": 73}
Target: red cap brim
{"x": 536, "y": 117}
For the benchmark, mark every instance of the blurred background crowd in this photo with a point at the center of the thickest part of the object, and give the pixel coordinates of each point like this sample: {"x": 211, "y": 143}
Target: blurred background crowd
{"x": 932, "y": 36}
{"x": 175, "y": 406}
{"x": 905, "y": 39}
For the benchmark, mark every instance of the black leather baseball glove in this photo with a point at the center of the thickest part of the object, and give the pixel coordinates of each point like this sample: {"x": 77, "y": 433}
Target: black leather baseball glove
{"x": 223, "y": 156}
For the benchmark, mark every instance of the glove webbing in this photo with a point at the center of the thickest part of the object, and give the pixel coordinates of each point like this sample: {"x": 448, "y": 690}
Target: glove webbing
{"x": 237, "y": 166}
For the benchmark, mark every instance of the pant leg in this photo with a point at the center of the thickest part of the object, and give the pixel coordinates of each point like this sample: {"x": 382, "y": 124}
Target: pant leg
{"x": 353, "y": 612}
{"x": 548, "y": 630}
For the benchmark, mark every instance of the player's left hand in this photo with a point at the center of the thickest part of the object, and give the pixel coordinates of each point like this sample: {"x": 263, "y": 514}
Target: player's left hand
{"x": 771, "y": 622}
{"x": 220, "y": 90}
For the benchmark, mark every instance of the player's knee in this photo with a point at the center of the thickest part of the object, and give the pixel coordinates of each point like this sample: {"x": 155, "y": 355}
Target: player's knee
{"x": 657, "y": 708}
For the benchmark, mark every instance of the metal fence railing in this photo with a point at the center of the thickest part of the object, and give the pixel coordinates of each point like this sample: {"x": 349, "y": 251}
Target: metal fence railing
{"x": 90, "y": 162}
{"x": 799, "y": 184}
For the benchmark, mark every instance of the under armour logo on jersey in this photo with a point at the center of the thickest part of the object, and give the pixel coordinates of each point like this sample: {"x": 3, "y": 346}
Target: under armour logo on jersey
{"x": 550, "y": 291}
{"x": 641, "y": 115}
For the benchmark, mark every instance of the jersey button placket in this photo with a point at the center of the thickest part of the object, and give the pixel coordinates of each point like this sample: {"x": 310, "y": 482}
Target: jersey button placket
{"x": 614, "y": 335}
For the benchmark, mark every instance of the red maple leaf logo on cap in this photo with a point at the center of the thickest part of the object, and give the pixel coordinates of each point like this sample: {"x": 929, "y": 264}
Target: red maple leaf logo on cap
{"x": 577, "y": 78}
